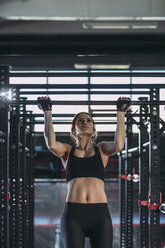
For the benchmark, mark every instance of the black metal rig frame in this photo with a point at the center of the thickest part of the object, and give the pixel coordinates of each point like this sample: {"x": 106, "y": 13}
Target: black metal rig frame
{"x": 17, "y": 153}
{"x": 16, "y": 170}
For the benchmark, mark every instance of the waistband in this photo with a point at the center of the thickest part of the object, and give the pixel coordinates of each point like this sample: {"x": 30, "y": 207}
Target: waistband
{"x": 86, "y": 210}
{"x": 99, "y": 204}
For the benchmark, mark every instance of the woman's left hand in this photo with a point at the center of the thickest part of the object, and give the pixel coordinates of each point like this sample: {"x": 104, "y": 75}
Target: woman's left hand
{"x": 123, "y": 104}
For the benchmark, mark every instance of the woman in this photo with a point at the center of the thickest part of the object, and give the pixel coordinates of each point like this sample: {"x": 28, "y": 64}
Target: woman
{"x": 86, "y": 212}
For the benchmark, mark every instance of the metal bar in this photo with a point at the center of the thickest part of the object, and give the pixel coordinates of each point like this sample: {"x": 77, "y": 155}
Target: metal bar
{"x": 83, "y": 92}
{"x": 154, "y": 171}
{"x": 122, "y": 186}
{"x": 4, "y": 161}
{"x": 33, "y": 102}
{"x": 144, "y": 177}
{"x": 23, "y": 163}
{"x": 72, "y": 115}
{"x": 87, "y": 86}
{"x": 136, "y": 149}
{"x": 68, "y": 122}
{"x": 87, "y": 74}
{"x": 14, "y": 171}
{"x": 67, "y": 115}
{"x": 31, "y": 185}
{"x": 30, "y": 190}
{"x": 129, "y": 185}
{"x": 27, "y": 202}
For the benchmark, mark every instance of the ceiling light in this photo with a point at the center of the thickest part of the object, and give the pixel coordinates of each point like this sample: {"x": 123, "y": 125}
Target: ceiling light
{"x": 119, "y": 25}
{"x": 104, "y": 26}
{"x": 144, "y": 26}
{"x": 101, "y": 66}
{"x": 7, "y": 94}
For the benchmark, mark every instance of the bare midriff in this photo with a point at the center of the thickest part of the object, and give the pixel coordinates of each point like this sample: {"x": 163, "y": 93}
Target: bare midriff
{"x": 86, "y": 190}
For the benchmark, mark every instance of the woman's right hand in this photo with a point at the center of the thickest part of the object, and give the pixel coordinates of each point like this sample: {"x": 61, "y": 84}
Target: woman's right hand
{"x": 44, "y": 103}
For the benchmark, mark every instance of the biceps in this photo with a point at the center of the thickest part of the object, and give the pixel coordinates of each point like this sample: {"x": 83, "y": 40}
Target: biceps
{"x": 59, "y": 149}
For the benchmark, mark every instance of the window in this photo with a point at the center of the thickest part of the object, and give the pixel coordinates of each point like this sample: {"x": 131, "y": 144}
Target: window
{"x": 104, "y": 115}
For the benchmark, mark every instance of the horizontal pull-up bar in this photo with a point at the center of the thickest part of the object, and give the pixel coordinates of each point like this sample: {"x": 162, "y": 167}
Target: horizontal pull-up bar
{"x": 28, "y": 115}
{"x": 69, "y": 122}
{"x": 84, "y": 86}
{"x": 84, "y": 92}
{"x": 32, "y": 102}
{"x": 87, "y": 74}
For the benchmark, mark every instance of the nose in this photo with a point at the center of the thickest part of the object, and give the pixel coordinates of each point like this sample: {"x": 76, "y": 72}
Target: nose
{"x": 84, "y": 122}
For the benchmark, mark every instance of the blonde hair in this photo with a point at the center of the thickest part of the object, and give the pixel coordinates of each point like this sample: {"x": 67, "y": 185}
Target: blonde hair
{"x": 72, "y": 133}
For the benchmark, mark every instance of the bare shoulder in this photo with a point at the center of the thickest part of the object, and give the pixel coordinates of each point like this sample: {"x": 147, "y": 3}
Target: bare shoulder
{"x": 107, "y": 148}
{"x": 101, "y": 147}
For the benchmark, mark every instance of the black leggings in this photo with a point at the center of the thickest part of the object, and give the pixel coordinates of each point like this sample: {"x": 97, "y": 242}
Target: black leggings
{"x": 80, "y": 220}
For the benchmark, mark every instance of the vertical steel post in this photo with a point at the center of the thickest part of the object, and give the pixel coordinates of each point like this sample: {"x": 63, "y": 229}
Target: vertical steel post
{"x": 22, "y": 234}
{"x": 122, "y": 201}
{"x": 30, "y": 186}
{"x": 129, "y": 183}
{"x": 144, "y": 175}
{"x": 14, "y": 170}
{"x": 154, "y": 171}
{"x": 4, "y": 158}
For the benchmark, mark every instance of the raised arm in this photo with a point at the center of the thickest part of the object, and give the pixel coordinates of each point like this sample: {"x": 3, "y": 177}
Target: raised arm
{"x": 112, "y": 147}
{"x": 57, "y": 148}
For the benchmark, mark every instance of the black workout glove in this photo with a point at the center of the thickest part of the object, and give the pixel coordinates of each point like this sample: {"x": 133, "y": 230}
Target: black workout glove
{"x": 123, "y": 104}
{"x": 44, "y": 103}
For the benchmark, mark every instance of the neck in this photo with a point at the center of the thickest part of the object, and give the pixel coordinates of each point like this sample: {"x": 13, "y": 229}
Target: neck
{"x": 85, "y": 144}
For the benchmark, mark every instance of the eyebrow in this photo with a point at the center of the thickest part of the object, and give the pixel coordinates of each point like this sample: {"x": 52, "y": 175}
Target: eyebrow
{"x": 79, "y": 118}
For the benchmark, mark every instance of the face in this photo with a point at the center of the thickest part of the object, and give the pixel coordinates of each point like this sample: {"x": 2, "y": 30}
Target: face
{"x": 84, "y": 125}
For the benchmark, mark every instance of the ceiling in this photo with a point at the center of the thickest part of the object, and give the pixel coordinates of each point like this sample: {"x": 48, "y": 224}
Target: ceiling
{"x": 60, "y": 44}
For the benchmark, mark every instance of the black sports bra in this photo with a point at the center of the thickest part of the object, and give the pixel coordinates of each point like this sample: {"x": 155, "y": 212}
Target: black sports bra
{"x": 85, "y": 167}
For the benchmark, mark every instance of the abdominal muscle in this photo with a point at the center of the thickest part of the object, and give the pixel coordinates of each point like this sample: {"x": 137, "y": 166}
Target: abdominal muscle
{"x": 86, "y": 190}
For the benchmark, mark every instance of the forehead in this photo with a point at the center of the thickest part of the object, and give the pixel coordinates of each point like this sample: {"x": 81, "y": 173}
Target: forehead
{"x": 83, "y": 116}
